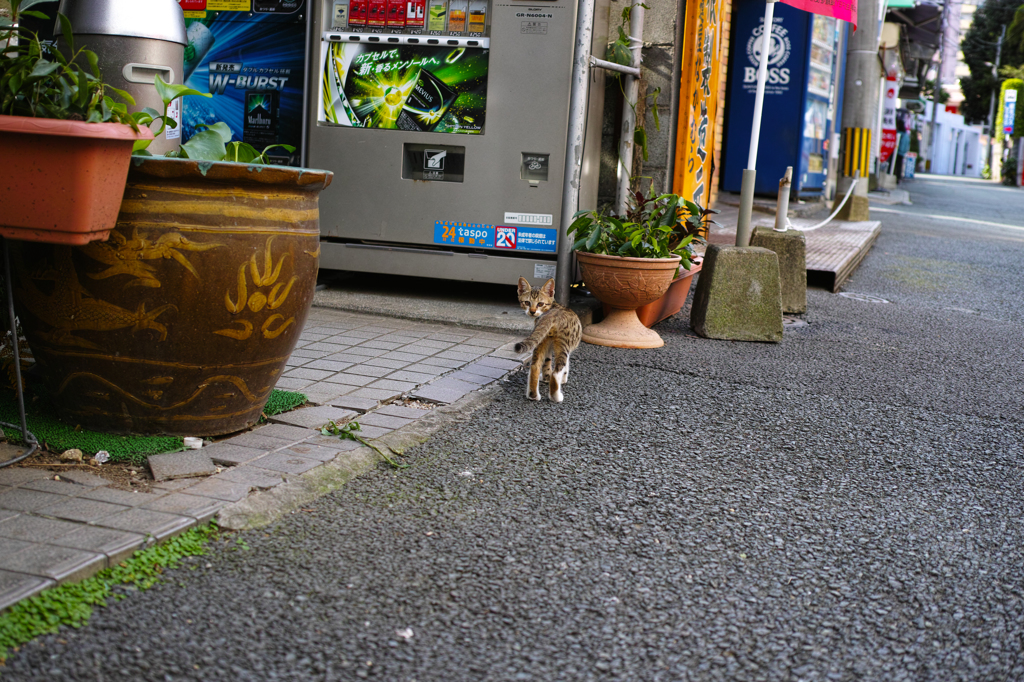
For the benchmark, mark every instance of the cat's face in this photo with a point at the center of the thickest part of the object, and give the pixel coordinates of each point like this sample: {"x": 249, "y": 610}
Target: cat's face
{"x": 536, "y": 302}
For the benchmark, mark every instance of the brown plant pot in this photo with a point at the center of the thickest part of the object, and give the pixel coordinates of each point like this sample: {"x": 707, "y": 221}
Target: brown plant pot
{"x": 669, "y": 304}
{"x": 182, "y": 323}
{"x": 625, "y": 284}
{"x": 62, "y": 181}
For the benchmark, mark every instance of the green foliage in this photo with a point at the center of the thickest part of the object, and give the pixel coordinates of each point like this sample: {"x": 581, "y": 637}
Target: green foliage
{"x": 72, "y": 604}
{"x": 348, "y": 431}
{"x": 1018, "y": 118}
{"x": 39, "y": 81}
{"x": 1009, "y": 171}
{"x": 928, "y": 93}
{"x": 653, "y": 227}
{"x": 979, "y": 46}
{"x": 214, "y": 144}
{"x": 283, "y": 401}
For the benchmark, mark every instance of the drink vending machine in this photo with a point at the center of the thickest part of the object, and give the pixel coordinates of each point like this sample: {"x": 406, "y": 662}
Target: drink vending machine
{"x": 445, "y": 124}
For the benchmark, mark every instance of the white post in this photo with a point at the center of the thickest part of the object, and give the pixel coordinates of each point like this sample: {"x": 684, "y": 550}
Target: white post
{"x": 749, "y": 175}
{"x": 782, "y": 205}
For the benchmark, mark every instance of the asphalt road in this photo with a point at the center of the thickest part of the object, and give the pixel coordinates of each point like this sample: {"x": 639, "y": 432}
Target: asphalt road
{"x": 845, "y": 505}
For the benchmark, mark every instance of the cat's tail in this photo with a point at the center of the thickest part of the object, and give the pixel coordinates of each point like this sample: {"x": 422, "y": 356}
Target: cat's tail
{"x": 533, "y": 340}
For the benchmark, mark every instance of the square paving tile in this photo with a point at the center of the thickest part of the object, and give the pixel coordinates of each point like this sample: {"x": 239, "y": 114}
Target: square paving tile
{"x": 370, "y": 431}
{"x": 307, "y": 374}
{"x": 385, "y": 420}
{"x": 406, "y": 356}
{"x": 313, "y": 417}
{"x": 292, "y": 384}
{"x": 390, "y": 384}
{"x": 261, "y": 479}
{"x": 51, "y": 561}
{"x": 403, "y": 411}
{"x": 227, "y": 454}
{"x": 306, "y": 353}
{"x": 382, "y": 344}
{"x": 6, "y": 514}
{"x": 285, "y": 463}
{"x": 345, "y": 340}
{"x": 181, "y": 464}
{"x": 35, "y": 528}
{"x": 116, "y": 545}
{"x": 445, "y": 336}
{"x": 380, "y": 394}
{"x": 485, "y": 370}
{"x": 45, "y": 485}
{"x": 285, "y": 432}
{"x": 381, "y": 362}
{"x": 84, "y": 478}
{"x": 20, "y": 499}
{"x": 199, "y": 508}
{"x": 500, "y": 363}
{"x": 443, "y": 362}
{"x": 434, "y": 343}
{"x": 470, "y": 378}
{"x": 351, "y": 402}
{"x": 463, "y": 356}
{"x": 145, "y": 522}
{"x": 369, "y": 370}
{"x": 331, "y": 366}
{"x": 177, "y": 484}
{"x": 220, "y": 489}
{"x": 321, "y": 453}
{"x": 325, "y": 395}
{"x": 347, "y": 379}
{"x": 325, "y": 347}
{"x": 123, "y": 497}
{"x": 257, "y": 440}
{"x": 366, "y": 352}
{"x": 82, "y": 509}
{"x": 444, "y": 390}
{"x": 17, "y": 586}
{"x": 414, "y": 377}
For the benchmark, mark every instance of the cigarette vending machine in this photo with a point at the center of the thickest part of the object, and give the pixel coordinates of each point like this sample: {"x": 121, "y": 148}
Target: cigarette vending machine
{"x": 445, "y": 124}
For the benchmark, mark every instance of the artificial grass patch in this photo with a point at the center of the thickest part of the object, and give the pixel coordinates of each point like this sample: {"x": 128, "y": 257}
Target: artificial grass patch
{"x": 72, "y": 603}
{"x": 283, "y": 401}
{"x": 58, "y": 436}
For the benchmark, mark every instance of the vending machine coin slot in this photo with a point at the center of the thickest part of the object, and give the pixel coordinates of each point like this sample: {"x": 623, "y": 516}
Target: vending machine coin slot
{"x": 433, "y": 162}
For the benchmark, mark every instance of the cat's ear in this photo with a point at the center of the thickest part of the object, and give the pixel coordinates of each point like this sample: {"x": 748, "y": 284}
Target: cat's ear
{"x": 524, "y": 286}
{"x": 549, "y": 288}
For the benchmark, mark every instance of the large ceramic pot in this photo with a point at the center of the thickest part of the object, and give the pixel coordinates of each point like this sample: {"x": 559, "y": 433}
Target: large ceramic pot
{"x": 670, "y": 303}
{"x": 625, "y": 284}
{"x": 61, "y": 181}
{"x": 182, "y": 322}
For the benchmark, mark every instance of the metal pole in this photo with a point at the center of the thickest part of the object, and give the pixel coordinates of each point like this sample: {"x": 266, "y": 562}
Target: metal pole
{"x": 935, "y": 93}
{"x": 31, "y": 444}
{"x": 992, "y": 103}
{"x": 750, "y": 173}
{"x": 574, "y": 144}
{"x": 631, "y": 88}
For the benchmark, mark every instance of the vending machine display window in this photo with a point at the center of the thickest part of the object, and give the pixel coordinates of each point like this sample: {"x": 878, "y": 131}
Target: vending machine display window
{"x": 413, "y": 17}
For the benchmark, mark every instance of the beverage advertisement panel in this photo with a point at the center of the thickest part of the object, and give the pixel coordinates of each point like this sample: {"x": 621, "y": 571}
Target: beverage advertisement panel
{"x": 420, "y": 88}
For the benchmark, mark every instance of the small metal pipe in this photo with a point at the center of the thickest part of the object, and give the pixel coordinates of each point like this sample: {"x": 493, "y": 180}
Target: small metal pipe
{"x": 782, "y": 206}
{"x": 612, "y": 66}
{"x": 574, "y": 145}
{"x": 28, "y": 438}
{"x": 631, "y": 88}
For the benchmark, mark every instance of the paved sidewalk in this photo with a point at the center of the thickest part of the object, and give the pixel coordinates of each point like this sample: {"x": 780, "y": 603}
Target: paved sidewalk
{"x": 349, "y": 365}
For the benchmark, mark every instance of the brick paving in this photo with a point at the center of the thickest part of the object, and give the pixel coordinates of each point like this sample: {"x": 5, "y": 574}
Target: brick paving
{"x": 349, "y": 365}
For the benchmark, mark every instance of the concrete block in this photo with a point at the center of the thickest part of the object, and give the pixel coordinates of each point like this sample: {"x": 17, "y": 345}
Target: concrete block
{"x": 17, "y": 586}
{"x": 259, "y": 440}
{"x": 123, "y": 497}
{"x": 388, "y": 421}
{"x": 284, "y": 463}
{"x": 20, "y": 499}
{"x": 145, "y": 522}
{"x": 321, "y": 453}
{"x": 220, "y": 489}
{"x": 403, "y": 411}
{"x": 791, "y": 248}
{"x": 379, "y": 394}
{"x": 199, "y": 508}
{"x": 181, "y": 465}
{"x": 15, "y": 476}
{"x": 313, "y": 417}
{"x": 82, "y": 509}
{"x": 285, "y": 432}
{"x": 261, "y": 479}
{"x": 57, "y": 563}
{"x": 46, "y": 485}
{"x": 392, "y": 385}
{"x": 350, "y": 402}
{"x": 116, "y": 545}
{"x": 738, "y": 296}
{"x": 84, "y": 478}
{"x": 35, "y": 528}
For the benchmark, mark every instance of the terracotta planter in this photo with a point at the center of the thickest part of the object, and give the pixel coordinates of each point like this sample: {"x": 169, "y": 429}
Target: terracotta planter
{"x": 62, "y": 181}
{"x": 181, "y": 323}
{"x": 669, "y": 304}
{"x": 625, "y": 284}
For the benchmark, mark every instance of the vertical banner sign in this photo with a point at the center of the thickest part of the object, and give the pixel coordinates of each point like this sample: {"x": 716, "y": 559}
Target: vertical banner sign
{"x": 840, "y": 9}
{"x": 888, "y": 145}
{"x": 695, "y": 141}
{"x": 1009, "y": 110}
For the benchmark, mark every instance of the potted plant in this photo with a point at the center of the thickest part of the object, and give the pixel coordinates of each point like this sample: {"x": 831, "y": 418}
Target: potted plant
{"x": 630, "y": 262}
{"x": 65, "y": 143}
{"x": 183, "y": 321}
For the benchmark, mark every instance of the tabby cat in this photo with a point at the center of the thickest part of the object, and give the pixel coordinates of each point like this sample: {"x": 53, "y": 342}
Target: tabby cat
{"x": 556, "y": 333}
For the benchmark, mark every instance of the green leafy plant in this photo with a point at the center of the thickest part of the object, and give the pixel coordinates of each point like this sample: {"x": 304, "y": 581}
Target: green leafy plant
{"x": 1009, "y": 171}
{"x": 71, "y": 604}
{"x": 40, "y": 81}
{"x": 653, "y": 227}
{"x": 214, "y": 144}
{"x": 347, "y": 431}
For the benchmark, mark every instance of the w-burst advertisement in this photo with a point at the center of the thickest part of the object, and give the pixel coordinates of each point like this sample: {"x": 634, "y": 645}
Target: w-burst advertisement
{"x": 404, "y": 87}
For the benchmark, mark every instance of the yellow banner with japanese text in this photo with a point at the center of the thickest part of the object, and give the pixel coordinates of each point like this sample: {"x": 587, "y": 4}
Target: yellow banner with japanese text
{"x": 702, "y": 57}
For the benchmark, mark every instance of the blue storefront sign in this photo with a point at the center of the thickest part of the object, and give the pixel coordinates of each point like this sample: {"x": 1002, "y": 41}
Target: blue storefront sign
{"x": 802, "y": 97}
{"x": 1009, "y": 110}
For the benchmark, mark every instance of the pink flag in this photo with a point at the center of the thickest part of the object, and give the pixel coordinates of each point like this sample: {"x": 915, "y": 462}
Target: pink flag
{"x": 840, "y": 9}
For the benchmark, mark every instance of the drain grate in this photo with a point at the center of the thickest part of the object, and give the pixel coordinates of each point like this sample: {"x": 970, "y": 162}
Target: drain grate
{"x": 867, "y": 298}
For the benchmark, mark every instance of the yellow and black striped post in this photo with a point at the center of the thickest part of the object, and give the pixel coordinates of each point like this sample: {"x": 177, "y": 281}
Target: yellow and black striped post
{"x": 856, "y": 151}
